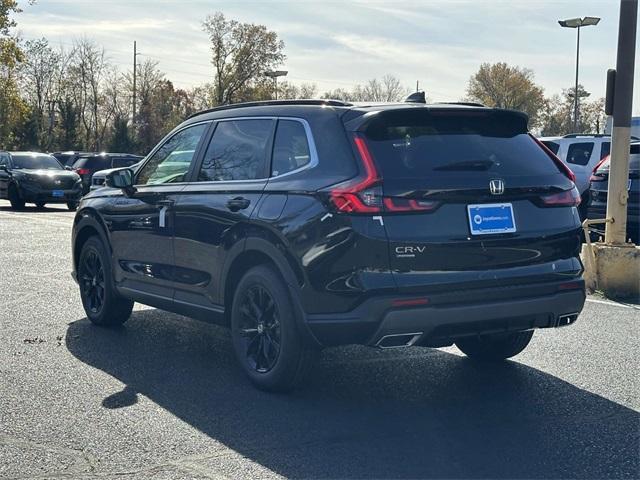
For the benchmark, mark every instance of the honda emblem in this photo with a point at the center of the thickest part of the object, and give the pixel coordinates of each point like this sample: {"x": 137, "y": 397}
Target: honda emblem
{"x": 496, "y": 187}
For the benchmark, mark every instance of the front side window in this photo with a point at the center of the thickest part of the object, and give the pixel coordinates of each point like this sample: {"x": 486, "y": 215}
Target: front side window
{"x": 579, "y": 153}
{"x": 238, "y": 151}
{"x": 171, "y": 162}
{"x": 290, "y": 148}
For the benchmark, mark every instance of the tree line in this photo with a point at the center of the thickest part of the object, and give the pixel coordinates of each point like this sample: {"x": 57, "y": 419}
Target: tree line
{"x": 74, "y": 98}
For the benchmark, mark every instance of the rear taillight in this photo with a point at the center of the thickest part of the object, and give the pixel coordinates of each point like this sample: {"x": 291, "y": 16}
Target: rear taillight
{"x": 405, "y": 205}
{"x": 82, "y": 171}
{"x": 364, "y": 194}
{"x": 559, "y": 163}
{"x": 595, "y": 177}
{"x": 567, "y": 198}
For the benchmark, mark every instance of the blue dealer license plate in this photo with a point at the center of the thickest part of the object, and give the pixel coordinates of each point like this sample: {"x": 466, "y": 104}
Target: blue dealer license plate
{"x": 491, "y": 218}
{"x": 58, "y": 193}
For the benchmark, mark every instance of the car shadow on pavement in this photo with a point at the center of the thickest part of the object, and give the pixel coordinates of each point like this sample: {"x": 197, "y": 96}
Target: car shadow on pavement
{"x": 415, "y": 413}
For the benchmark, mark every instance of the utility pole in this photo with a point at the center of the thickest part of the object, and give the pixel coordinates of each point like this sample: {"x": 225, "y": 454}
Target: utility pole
{"x": 135, "y": 54}
{"x": 615, "y": 231}
{"x": 575, "y": 92}
{"x": 417, "y": 85}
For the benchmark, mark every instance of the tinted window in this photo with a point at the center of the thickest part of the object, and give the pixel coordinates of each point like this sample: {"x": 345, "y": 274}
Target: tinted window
{"x": 118, "y": 162}
{"x": 172, "y": 160}
{"x": 290, "y": 147}
{"x": 553, "y": 146}
{"x": 35, "y": 162}
{"x": 93, "y": 163}
{"x": 579, "y": 153}
{"x": 605, "y": 149}
{"x": 238, "y": 151}
{"x": 427, "y": 145}
{"x": 4, "y": 159}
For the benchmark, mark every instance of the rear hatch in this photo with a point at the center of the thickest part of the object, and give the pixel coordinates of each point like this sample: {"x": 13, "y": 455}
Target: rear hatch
{"x": 467, "y": 196}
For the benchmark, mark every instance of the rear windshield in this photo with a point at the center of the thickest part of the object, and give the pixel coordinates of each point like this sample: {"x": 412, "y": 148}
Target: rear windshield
{"x": 419, "y": 144}
{"x": 35, "y": 162}
{"x": 634, "y": 159}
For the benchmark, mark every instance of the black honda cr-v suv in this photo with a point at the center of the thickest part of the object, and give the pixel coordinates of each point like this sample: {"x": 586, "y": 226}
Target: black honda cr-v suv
{"x": 306, "y": 224}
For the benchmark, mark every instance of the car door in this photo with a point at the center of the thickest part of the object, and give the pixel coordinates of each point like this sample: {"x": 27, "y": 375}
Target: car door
{"x": 214, "y": 209}
{"x": 141, "y": 225}
{"x": 4, "y": 175}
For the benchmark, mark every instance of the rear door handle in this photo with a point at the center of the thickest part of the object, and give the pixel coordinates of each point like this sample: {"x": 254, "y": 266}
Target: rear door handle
{"x": 238, "y": 203}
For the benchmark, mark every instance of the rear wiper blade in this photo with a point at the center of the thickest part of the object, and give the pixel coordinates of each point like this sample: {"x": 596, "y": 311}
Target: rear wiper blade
{"x": 467, "y": 165}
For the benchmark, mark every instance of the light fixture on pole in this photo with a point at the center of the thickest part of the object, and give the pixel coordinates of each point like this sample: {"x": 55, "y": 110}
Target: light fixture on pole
{"x": 275, "y": 74}
{"x": 577, "y": 23}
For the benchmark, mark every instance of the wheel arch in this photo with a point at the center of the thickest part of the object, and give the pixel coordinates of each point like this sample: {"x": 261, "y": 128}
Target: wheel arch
{"x": 259, "y": 251}
{"x": 87, "y": 224}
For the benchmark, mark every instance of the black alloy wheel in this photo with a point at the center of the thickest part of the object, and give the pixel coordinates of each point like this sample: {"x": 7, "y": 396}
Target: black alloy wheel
{"x": 92, "y": 281}
{"x": 259, "y": 329}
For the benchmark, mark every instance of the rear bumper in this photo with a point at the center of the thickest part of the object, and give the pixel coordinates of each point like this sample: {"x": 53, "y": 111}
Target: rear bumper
{"x": 439, "y": 323}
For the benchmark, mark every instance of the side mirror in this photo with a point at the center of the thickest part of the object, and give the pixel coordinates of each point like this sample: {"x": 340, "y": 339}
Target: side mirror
{"x": 121, "y": 178}
{"x": 67, "y": 167}
{"x": 3, "y": 167}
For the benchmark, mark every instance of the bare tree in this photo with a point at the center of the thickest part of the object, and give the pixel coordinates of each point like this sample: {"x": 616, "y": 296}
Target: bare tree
{"x": 241, "y": 53}
{"x": 88, "y": 69}
{"x": 386, "y": 89}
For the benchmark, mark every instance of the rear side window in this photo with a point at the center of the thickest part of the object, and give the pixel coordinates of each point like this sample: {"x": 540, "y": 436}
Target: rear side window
{"x": 238, "y": 151}
{"x": 605, "y": 149}
{"x": 420, "y": 145}
{"x": 579, "y": 153}
{"x": 290, "y": 148}
{"x": 118, "y": 162}
{"x": 93, "y": 163}
{"x": 553, "y": 146}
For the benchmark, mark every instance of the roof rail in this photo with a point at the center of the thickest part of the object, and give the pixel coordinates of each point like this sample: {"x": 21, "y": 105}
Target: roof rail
{"x": 313, "y": 101}
{"x": 467, "y": 104}
{"x": 595, "y": 135}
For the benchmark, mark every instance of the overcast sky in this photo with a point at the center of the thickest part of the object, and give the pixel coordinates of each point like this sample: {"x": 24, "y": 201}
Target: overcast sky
{"x": 335, "y": 44}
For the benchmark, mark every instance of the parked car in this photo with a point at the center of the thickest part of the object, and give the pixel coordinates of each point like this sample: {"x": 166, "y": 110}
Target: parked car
{"x": 308, "y": 224}
{"x": 599, "y": 186}
{"x": 37, "y": 178}
{"x": 98, "y": 178}
{"x": 581, "y": 153}
{"x": 67, "y": 159}
{"x": 86, "y": 166}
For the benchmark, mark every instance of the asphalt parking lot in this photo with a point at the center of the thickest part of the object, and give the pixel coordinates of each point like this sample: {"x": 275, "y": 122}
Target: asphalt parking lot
{"x": 162, "y": 397}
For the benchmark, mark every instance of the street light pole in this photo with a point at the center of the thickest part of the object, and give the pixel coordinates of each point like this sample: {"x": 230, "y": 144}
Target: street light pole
{"x": 275, "y": 74}
{"x": 577, "y": 23}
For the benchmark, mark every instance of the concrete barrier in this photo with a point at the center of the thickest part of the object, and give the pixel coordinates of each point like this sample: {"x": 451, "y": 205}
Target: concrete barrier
{"x": 614, "y": 270}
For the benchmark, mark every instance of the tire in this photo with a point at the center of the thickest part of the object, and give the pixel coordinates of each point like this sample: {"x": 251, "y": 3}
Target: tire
{"x": 72, "y": 206}
{"x": 264, "y": 332}
{"x": 14, "y": 198}
{"x": 40, "y": 205}
{"x": 101, "y": 302}
{"x": 495, "y": 347}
